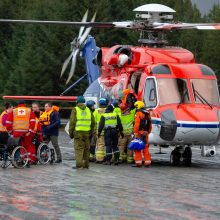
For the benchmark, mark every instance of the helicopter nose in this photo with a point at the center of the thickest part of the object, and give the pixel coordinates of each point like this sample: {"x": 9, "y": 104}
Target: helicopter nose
{"x": 198, "y": 125}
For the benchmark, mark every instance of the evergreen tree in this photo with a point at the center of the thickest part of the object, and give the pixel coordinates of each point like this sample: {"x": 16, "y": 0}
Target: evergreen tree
{"x": 211, "y": 46}
{"x": 32, "y": 55}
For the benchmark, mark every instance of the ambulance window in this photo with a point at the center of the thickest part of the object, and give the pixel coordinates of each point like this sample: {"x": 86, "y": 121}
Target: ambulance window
{"x": 150, "y": 94}
{"x": 161, "y": 69}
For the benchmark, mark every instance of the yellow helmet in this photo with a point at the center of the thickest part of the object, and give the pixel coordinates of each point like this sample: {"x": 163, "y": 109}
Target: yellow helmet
{"x": 139, "y": 104}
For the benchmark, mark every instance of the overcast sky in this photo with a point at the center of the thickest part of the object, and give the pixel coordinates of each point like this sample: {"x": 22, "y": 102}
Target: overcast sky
{"x": 205, "y": 5}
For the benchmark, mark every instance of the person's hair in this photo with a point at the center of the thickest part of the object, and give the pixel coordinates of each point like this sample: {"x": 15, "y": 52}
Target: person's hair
{"x": 49, "y": 104}
{"x": 7, "y": 105}
{"x": 36, "y": 103}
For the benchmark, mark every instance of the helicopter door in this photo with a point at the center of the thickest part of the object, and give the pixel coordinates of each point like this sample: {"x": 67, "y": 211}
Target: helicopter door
{"x": 150, "y": 93}
{"x": 134, "y": 81}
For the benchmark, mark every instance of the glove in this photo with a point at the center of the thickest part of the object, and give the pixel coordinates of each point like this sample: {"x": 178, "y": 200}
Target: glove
{"x": 122, "y": 135}
{"x": 99, "y": 135}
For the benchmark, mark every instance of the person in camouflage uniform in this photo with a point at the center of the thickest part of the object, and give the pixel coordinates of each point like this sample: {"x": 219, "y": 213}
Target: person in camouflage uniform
{"x": 81, "y": 128}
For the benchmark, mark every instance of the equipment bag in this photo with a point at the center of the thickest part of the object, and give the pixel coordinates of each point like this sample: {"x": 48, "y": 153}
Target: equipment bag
{"x": 136, "y": 144}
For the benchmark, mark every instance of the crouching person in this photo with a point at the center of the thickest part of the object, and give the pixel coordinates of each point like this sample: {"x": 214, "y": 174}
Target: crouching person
{"x": 111, "y": 123}
{"x": 81, "y": 128}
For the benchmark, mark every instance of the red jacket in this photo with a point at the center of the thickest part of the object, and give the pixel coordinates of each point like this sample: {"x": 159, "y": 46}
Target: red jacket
{"x": 10, "y": 121}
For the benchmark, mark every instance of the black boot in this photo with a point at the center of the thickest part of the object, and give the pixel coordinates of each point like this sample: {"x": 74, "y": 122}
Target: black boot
{"x": 107, "y": 162}
{"x": 116, "y": 158}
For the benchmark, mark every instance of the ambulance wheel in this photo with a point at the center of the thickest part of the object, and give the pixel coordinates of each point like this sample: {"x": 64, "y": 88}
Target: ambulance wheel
{"x": 19, "y": 157}
{"x": 175, "y": 158}
{"x": 187, "y": 155}
{"x": 43, "y": 153}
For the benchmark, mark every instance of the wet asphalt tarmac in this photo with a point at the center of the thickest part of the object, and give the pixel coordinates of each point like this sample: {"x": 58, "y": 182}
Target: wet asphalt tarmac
{"x": 112, "y": 192}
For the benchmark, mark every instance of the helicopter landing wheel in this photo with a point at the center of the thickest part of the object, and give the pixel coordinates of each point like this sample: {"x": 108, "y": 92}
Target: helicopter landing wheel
{"x": 187, "y": 156}
{"x": 175, "y": 157}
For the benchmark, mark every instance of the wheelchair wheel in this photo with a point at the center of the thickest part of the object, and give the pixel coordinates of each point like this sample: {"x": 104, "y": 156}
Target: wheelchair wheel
{"x": 5, "y": 160}
{"x": 19, "y": 157}
{"x": 43, "y": 153}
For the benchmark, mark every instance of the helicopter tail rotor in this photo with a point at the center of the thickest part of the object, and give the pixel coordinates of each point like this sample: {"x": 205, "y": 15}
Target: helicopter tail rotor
{"x": 76, "y": 45}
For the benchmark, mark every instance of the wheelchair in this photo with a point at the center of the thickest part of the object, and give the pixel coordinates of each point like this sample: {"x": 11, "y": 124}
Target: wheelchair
{"x": 45, "y": 154}
{"x": 13, "y": 153}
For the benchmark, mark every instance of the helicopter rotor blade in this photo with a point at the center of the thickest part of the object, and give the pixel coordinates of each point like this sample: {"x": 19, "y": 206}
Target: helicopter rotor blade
{"x": 83, "y": 20}
{"x": 185, "y": 26}
{"x": 72, "y": 70}
{"x": 123, "y": 24}
{"x": 87, "y": 31}
{"x": 65, "y": 64}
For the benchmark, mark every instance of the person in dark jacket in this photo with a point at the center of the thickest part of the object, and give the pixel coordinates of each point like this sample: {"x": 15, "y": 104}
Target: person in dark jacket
{"x": 50, "y": 121}
{"x": 111, "y": 124}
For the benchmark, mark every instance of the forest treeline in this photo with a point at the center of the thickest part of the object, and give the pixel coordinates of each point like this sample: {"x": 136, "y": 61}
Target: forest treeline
{"x": 31, "y": 56}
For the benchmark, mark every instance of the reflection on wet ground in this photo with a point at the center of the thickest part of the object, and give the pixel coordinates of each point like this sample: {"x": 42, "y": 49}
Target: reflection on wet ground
{"x": 110, "y": 192}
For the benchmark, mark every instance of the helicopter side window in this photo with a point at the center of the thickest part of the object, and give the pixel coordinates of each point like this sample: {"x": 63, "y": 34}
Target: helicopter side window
{"x": 150, "y": 94}
{"x": 207, "y": 71}
{"x": 161, "y": 69}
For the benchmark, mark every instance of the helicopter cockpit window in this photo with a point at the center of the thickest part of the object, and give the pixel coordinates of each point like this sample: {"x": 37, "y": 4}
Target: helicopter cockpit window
{"x": 161, "y": 69}
{"x": 173, "y": 91}
{"x": 205, "y": 91}
{"x": 207, "y": 71}
{"x": 150, "y": 94}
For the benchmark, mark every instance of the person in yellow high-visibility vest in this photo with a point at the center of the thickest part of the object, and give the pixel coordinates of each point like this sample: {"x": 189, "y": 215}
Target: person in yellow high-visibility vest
{"x": 110, "y": 122}
{"x": 100, "y": 144}
{"x": 81, "y": 128}
{"x": 117, "y": 109}
{"x": 127, "y": 120}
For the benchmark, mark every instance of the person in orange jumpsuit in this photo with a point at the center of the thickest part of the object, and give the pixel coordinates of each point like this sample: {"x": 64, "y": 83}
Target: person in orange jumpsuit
{"x": 21, "y": 123}
{"x": 142, "y": 129}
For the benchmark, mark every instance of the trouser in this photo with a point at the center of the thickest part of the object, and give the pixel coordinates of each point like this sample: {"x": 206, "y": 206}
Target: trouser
{"x": 92, "y": 147}
{"x": 54, "y": 141}
{"x": 100, "y": 149}
{"x": 4, "y": 138}
{"x": 125, "y": 154}
{"x": 30, "y": 147}
{"x": 111, "y": 144}
{"x": 81, "y": 146}
{"x": 145, "y": 151}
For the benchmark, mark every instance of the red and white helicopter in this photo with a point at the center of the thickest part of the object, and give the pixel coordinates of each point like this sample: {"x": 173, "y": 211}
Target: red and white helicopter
{"x": 182, "y": 96}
